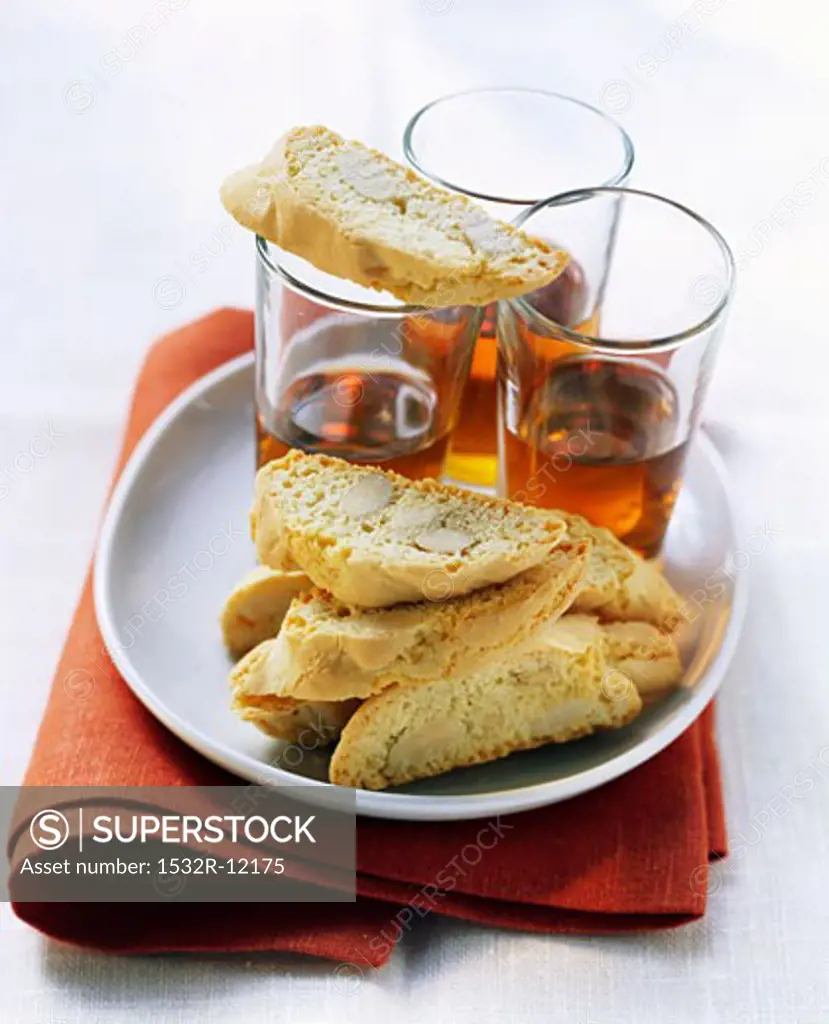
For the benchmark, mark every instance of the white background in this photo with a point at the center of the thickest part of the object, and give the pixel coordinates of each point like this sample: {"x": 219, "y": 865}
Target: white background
{"x": 106, "y": 186}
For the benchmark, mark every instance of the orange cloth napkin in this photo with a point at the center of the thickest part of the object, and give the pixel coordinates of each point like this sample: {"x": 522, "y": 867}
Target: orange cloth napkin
{"x": 632, "y": 855}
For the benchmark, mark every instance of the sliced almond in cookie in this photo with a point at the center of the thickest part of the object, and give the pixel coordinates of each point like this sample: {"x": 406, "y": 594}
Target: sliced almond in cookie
{"x": 444, "y": 541}
{"x": 368, "y": 495}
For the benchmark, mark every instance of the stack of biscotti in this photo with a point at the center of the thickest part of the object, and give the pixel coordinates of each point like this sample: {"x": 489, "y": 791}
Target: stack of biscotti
{"x": 421, "y": 628}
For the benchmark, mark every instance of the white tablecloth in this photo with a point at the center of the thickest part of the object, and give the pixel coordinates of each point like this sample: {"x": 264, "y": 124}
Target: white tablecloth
{"x": 117, "y": 123}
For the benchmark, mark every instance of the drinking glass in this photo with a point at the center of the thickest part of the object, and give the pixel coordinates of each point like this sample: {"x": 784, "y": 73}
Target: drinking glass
{"x": 341, "y": 370}
{"x": 507, "y": 149}
{"x": 599, "y": 423}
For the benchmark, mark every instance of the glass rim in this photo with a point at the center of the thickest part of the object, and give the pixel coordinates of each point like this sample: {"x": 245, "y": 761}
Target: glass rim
{"x": 264, "y": 255}
{"x": 618, "y": 178}
{"x": 599, "y": 343}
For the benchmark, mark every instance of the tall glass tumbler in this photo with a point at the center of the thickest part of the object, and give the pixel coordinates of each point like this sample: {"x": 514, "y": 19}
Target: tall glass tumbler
{"x": 344, "y": 371}
{"x": 507, "y": 149}
{"x": 599, "y": 423}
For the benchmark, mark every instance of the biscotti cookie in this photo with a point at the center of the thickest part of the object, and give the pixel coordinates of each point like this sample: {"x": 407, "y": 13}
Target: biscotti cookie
{"x": 329, "y": 651}
{"x": 630, "y": 657}
{"x": 285, "y": 718}
{"x": 644, "y": 654}
{"x": 620, "y": 584}
{"x": 374, "y": 538}
{"x": 553, "y": 689}
{"x": 354, "y": 213}
{"x": 256, "y": 607}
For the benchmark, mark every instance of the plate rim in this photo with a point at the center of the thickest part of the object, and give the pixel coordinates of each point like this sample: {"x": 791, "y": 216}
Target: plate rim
{"x": 384, "y": 804}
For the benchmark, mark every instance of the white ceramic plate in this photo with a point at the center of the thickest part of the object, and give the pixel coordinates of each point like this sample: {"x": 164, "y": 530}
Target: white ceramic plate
{"x": 175, "y": 540}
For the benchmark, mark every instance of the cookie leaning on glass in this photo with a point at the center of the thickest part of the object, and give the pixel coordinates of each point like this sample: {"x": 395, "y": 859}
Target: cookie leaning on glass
{"x": 355, "y": 213}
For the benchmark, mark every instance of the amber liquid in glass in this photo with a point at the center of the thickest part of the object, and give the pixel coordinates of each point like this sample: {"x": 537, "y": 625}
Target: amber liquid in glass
{"x": 599, "y": 439}
{"x": 380, "y": 417}
{"x": 473, "y": 453}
